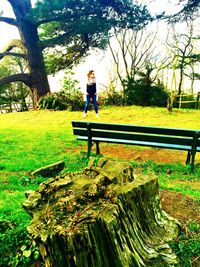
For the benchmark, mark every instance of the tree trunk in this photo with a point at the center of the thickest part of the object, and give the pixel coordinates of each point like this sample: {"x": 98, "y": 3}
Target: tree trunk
{"x": 39, "y": 81}
{"x": 101, "y": 217}
{"x": 181, "y": 80}
{"x": 29, "y": 36}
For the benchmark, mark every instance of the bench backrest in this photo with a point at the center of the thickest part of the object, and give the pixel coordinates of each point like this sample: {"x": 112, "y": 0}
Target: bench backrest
{"x": 135, "y": 132}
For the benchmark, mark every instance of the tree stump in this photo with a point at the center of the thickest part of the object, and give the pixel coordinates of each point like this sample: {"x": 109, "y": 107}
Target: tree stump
{"x": 101, "y": 217}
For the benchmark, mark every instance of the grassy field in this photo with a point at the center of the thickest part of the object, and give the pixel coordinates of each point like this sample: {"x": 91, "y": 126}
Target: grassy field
{"x": 33, "y": 139}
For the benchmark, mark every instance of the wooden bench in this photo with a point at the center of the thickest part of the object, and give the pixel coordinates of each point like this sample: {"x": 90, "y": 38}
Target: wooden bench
{"x": 169, "y": 138}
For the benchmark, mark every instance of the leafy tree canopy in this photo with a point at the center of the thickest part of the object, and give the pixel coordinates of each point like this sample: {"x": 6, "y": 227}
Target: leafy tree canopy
{"x": 72, "y": 27}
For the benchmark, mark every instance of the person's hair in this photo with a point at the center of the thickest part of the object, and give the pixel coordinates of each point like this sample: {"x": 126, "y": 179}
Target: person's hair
{"x": 89, "y": 73}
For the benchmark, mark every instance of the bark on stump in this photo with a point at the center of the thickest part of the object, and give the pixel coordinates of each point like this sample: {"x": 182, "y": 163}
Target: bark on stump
{"x": 101, "y": 217}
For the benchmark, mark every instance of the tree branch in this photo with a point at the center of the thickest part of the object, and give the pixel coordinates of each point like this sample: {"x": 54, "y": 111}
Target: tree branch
{"x": 10, "y": 21}
{"x": 9, "y": 46}
{"x": 2, "y": 55}
{"x": 64, "y": 17}
{"x": 20, "y": 77}
{"x": 61, "y": 39}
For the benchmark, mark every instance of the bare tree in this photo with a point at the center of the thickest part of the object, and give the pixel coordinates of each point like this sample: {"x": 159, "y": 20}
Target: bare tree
{"x": 131, "y": 50}
{"x": 182, "y": 48}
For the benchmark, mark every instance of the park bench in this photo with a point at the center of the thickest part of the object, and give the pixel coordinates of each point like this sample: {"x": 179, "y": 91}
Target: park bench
{"x": 169, "y": 138}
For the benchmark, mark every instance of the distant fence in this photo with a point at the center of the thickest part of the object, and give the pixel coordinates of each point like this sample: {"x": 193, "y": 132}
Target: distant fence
{"x": 183, "y": 99}
{"x": 15, "y": 107}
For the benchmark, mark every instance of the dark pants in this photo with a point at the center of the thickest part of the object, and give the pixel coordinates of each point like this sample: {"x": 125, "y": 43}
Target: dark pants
{"x": 94, "y": 101}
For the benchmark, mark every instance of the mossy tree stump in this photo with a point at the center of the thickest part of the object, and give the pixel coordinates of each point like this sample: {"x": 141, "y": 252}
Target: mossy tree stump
{"x": 101, "y": 217}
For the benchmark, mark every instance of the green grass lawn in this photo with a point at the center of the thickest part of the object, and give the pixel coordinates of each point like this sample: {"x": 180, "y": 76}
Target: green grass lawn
{"x": 33, "y": 139}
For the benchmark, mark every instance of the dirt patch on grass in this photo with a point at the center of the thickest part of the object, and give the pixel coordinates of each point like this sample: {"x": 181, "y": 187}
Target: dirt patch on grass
{"x": 141, "y": 153}
{"x": 181, "y": 207}
{"x": 144, "y": 154}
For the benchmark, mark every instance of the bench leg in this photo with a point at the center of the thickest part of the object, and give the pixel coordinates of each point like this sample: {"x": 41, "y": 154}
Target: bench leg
{"x": 191, "y": 155}
{"x": 194, "y": 147}
{"x": 192, "y": 161}
{"x": 188, "y": 157}
{"x": 89, "y": 149}
{"x": 89, "y": 139}
{"x": 97, "y": 148}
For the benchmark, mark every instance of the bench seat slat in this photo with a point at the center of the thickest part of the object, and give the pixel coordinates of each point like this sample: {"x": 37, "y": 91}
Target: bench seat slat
{"x": 135, "y": 136}
{"x": 139, "y": 143}
{"x": 135, "y": 128}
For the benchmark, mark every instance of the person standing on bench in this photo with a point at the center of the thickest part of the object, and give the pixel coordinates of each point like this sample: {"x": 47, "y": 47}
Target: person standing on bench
{"x": 91, "y": 93}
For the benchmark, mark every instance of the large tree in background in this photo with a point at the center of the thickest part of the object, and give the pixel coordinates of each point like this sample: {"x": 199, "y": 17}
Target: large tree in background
{"x": 70, "y": 26}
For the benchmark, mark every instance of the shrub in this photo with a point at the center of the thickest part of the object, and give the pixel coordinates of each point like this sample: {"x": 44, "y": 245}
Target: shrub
{"x": 60, "y": 101}
{"x": 114, "y": 98}
{"x": 68, "y": 98}
{"x": 158, "y": 96}
{"x": 52, "y": 101}
{"x": 139, "y": 93}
